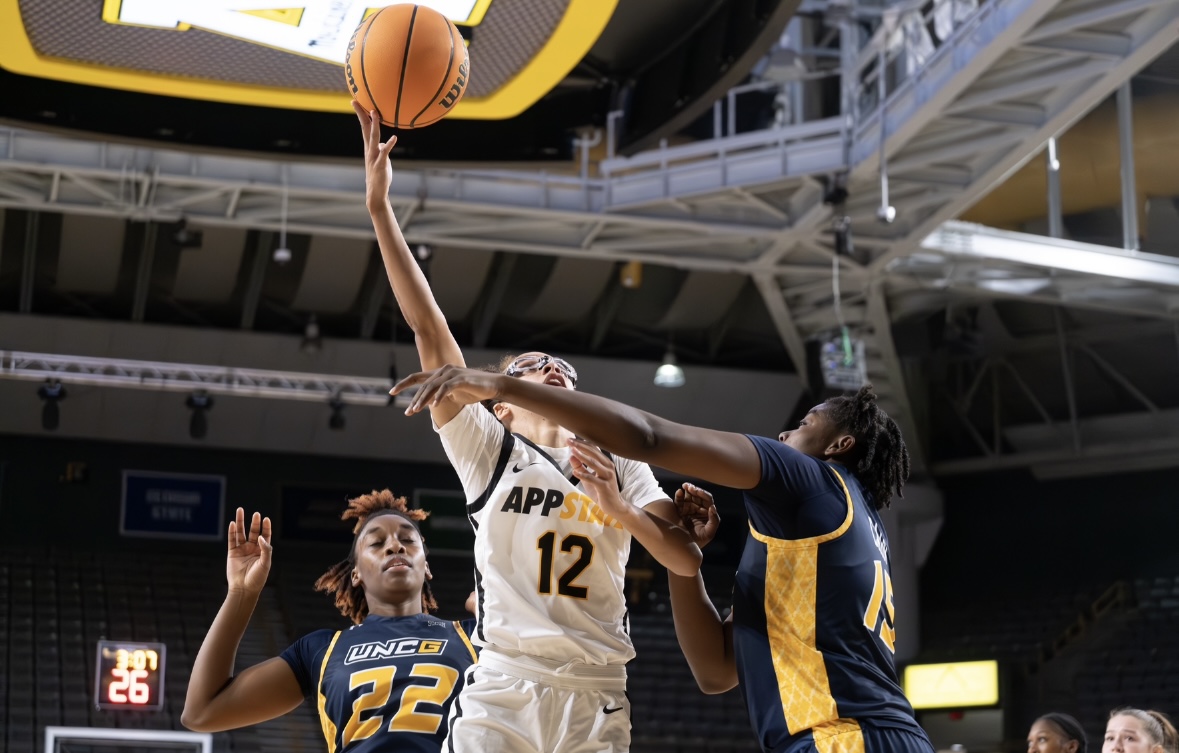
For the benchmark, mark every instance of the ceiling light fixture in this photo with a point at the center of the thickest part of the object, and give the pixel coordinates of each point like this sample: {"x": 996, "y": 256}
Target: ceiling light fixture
{"x": 669, "y": 374}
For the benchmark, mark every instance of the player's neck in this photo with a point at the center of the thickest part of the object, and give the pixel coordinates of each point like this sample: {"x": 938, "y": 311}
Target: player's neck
{"x": 407, "y": 608}
{"x": 541, "y": 431}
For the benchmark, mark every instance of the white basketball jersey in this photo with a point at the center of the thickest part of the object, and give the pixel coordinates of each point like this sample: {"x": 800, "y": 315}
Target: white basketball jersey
{"x": 549, "y": 564}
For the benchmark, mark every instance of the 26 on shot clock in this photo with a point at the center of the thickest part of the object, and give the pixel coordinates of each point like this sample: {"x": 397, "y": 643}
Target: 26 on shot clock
{"x": 129, "y": 675}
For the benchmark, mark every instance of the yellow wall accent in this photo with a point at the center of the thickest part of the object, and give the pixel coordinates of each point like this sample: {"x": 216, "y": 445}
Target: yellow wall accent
{"x": 329, "y": 728}
{"x": 576, "y": 33}
{"x": 791, "y": 586}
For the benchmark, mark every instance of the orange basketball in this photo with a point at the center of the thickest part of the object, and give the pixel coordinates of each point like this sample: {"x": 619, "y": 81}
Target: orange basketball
{"x": 407, "y": 63}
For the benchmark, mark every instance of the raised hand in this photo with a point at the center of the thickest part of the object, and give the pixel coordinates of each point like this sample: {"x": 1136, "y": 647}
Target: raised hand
{"x": 463, "y": 386}
{"x": 248, "y": 562}
{"x": 598, "y": 477}
{"x": 697, "y": 510}
{"x": 378, "y": 170}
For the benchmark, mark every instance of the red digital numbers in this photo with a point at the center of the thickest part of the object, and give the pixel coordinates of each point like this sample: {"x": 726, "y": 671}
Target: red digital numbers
{"x": 129, "y": 675}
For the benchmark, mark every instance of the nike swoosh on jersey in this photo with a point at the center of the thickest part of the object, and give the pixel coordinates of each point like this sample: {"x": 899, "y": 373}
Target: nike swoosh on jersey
{"x": 517, "y": 469}
{"x": 608, "y": 710}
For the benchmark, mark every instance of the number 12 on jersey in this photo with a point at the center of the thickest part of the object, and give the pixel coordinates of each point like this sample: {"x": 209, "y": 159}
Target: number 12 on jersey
{"x": 566, "y": 585}
{"x": 882, "y": 595}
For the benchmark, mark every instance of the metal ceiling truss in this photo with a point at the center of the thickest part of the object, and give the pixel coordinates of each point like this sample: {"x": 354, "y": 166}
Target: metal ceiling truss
{"x": 959, "y": 114}
{"x": 180, "y": 377}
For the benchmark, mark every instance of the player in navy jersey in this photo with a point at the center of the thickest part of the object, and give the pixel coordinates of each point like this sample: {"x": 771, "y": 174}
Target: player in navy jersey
{"x": 384, "y": 685}
{"x": 811, "y": 635}
{"x": 553, "y": 527}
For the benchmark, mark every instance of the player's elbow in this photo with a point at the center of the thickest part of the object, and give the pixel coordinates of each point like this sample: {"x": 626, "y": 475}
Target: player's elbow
{"x": 715, "y": 685}
{"x": 715, "y": 677}
{"x": 687, "y": 564}
{"x": 198, "y": 720}
{"x": 192, "y": 720}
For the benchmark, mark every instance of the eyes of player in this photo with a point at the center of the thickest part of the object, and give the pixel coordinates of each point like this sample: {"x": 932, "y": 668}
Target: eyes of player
{"x": 407, "y": 540}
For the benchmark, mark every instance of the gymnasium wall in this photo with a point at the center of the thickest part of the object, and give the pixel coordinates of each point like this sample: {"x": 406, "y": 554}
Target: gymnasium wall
{"x": 1007, "y": 534}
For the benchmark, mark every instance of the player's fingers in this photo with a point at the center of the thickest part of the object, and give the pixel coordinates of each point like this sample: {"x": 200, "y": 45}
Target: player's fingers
{"x": 266, "y": 551}
{"x": 592, "y": 456}
{"x": 231, "y": 536}
{"x": 374, "y": 127}
{"x": 410, "y": 381}
{"x": 255, "y": 526}
{"x": 387, "y": 147}
{"x": 266, "y": 528}
{"x": 362, "y": 116}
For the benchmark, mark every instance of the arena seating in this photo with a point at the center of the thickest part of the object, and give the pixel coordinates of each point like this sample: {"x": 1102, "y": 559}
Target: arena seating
{"x": 1137, "y": 664}
{"x": 55, "y": 605}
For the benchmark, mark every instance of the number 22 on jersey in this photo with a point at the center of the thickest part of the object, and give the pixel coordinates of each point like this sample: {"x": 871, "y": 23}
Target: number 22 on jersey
{"x": 881, "y": 596}
{"x": 407, "y": 718}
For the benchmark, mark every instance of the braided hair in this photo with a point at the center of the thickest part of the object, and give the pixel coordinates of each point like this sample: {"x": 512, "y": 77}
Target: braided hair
{"x": 881, "y": 458}
{"x": 337, "y": 581}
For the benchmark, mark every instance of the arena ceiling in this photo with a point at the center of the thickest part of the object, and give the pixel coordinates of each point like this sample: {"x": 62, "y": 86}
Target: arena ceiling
{"x": 267, "y": 76}
{"x": 1013, "y": 364}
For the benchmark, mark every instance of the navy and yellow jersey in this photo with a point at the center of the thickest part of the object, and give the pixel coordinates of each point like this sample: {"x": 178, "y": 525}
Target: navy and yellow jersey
{"x": 386, "y": 684}
{"x": 813, "y": 609}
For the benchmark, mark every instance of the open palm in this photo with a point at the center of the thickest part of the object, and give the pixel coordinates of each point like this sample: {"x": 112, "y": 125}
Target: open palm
{"x": 248, "y": 563}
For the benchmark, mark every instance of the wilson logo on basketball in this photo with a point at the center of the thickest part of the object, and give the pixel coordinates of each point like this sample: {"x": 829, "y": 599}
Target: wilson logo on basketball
{"x": 348, "y": 68}
{"x": 456, "y": 89}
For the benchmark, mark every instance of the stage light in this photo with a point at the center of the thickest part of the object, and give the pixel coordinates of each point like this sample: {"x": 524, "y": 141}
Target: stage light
{"x": 630, "y": 276}
{"x": 185, "y": 238}
{"x": 51, "y": 393}
{"x": 337, "y": 421}
{"x": 669, "y": 373}
{"x": 199, "y": 403}
{"x": 312, "y": 340}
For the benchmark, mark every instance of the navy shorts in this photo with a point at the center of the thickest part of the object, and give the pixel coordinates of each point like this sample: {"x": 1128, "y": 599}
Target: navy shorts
{"x": 865, "y": 740}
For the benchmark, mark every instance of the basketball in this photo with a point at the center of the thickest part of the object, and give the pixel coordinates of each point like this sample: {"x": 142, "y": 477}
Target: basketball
{"x": 407, "y": 63}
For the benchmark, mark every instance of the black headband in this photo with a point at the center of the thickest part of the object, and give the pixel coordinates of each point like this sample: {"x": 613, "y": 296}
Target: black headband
{"x": 1069, "y": 726}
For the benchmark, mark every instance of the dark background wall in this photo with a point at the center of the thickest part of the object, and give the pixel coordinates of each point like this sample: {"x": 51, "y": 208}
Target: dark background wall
{"x": 1010, "y": 534}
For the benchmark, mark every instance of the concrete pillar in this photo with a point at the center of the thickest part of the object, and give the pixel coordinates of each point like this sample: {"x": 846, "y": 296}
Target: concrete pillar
{"x": 913, "y": 524}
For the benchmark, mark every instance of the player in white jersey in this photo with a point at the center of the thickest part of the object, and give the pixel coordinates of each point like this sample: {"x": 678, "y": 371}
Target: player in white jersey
{"x": 553, "y": 522}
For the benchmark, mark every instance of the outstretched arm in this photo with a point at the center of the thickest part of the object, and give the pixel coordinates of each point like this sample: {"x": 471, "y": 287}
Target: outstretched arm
{"x": 217, "y": 700}
{"x": 705, "y": 639}
{"x": 716, "y": 456}
{"x": 436, "y": 345}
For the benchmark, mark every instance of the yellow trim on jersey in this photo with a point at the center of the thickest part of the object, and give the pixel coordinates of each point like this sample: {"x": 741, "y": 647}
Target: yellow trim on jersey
{"x": 463, "y": 634}
{"x": 839, "y": 736}
{"x": 791, "y": 591}
{"x": 329, "y": 728}
{"x": 575, "y": 34}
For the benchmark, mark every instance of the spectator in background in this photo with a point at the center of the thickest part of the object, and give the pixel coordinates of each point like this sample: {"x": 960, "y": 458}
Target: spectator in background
{"x": 1056, "y": 733}
{"x": 1139, "y": 731}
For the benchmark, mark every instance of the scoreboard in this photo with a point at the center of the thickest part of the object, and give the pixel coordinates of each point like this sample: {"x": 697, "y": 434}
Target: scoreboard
{"x": 129, "y": 675}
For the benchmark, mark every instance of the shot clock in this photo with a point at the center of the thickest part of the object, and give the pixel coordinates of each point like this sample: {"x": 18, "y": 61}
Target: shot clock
{"x": 129, "y": 675}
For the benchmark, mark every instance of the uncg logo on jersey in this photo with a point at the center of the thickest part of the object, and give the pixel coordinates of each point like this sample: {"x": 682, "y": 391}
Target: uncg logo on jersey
{"x": 376, "y": 650}
{"x": 530, "y": 500}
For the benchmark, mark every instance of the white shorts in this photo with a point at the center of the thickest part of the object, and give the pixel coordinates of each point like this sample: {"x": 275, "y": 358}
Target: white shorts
{"x": 512, "y": 704}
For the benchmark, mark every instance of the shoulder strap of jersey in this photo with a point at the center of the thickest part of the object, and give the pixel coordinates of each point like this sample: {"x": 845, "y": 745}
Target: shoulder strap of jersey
{"x": 505, "y": 452}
